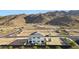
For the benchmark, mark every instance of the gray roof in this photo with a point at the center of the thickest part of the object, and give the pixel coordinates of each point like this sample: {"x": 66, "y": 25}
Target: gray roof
{"x": 36, "y": 33}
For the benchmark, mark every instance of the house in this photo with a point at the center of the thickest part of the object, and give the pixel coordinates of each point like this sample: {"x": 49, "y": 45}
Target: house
{"x": 36, "y": 39}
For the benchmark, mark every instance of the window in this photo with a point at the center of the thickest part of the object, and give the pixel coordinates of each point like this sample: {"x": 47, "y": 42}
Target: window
{"x": 38, "y": 41}
{"x": 33, "y": 41}
{"x": 33, "y": 37}
{"x": 38, "y": 37}
{"x": 42, "y": 41}
{"x": 30, "y": 41}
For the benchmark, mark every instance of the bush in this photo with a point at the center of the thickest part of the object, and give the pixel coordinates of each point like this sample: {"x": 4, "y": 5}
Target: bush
{"x": 10, "y": 47}
{"x": 35, "y": 47}
{"x": 72, "y": 43}
{"x": 58, "y": 47}
{"x": 47, "y": 47}
{"x": 0, "y": 47}
{"x": 22, "y": 47}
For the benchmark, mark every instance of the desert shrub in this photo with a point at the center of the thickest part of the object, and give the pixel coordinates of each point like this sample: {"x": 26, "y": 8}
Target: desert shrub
{"x": 35, "y": 47}
{"x": 72, "y": 43}
{"x": 22, "y": 47}
{"x": 58, "y": 47}
{"x": 10, "y": 47}
{"x": 47, "y": 47}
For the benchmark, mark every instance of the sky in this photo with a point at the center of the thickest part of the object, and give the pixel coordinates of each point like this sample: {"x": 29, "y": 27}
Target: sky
{"x": 13, "y": 12}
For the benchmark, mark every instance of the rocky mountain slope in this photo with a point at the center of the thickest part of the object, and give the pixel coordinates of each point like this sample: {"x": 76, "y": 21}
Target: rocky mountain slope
{"x": 59, "y": 18}
{"x": 13, "y": 20}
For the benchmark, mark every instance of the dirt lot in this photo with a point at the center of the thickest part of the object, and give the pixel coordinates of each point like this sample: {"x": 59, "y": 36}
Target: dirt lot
{"x": 27, "y": 30}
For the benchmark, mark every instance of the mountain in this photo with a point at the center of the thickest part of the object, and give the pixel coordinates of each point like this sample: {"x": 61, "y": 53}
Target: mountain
{"x": 74, "y": 12}
{"x": 13, "y": 20}
{"x": 59, "y": 18}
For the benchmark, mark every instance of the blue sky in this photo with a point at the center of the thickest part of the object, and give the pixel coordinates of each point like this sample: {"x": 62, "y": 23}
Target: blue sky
{"x": 12, "y": 12}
